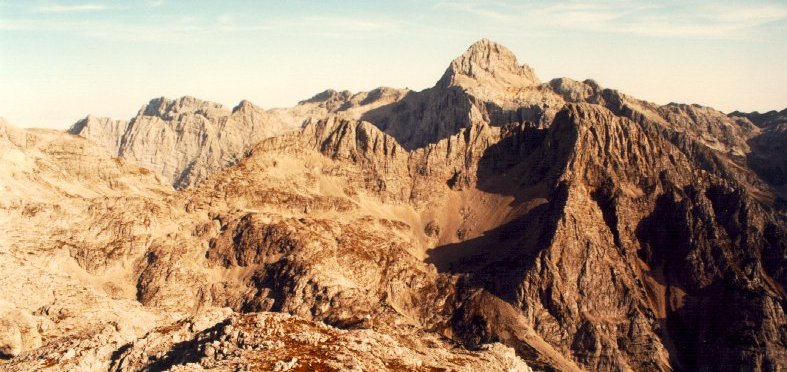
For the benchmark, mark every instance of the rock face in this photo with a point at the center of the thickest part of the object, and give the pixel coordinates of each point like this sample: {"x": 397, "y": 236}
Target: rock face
{"x": 105, "y": 132}
{"x": 768, "y": 148}
{"x": 186, "y": 139}
{"x": 489, "y": 67}
{"x": 182, "y": 140}
{"x": 486, "y": 222}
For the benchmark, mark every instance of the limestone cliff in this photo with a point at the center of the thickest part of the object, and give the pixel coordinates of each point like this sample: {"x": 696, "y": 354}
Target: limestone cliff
{"x": 186, "y": 139}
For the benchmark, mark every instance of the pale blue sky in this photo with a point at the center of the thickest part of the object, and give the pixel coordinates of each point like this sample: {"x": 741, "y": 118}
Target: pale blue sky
{"x": 60, "y": 60}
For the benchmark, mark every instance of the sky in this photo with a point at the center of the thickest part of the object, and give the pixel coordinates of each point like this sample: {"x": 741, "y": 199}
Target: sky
{"x": 61, "y": 60}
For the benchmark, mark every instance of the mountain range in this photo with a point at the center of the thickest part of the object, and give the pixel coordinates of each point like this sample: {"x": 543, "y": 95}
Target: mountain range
{"x": 491, "y": 222}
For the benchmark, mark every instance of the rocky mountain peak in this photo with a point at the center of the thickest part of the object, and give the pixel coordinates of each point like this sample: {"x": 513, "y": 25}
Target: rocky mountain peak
{"x": 167, "y": 108}
{"x": 80, "y": 125}
{"x": 106, "y": 132}
{"x": 328, "y": 95}
{"x": 487, "y": 62}
{"x": 245, "y": 105}
{"x": 765, "y": 119}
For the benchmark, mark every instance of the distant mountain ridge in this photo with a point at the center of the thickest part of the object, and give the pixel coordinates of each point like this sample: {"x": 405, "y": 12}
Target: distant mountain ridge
{"x": 186, "y": 139}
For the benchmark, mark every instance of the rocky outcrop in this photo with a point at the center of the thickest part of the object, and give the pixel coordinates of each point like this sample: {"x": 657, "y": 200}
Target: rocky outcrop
{"x": 280, "y": 342}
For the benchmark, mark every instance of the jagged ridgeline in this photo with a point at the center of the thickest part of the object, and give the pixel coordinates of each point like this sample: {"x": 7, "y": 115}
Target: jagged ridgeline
{"x": 491, "y": 222}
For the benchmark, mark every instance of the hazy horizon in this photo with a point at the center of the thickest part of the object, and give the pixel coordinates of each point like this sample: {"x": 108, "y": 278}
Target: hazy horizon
{"x": 63, "y": 60}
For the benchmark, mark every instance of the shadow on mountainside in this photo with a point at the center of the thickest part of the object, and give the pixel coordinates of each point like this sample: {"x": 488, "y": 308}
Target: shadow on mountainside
{"x": 715, "y": 261}
{"x": 768, "y": 161}
{"x": 497, "y": 259}
{"x": 526, "y": 163}
{"x": 709, "y": 265}
{"x": 426, "y": 117}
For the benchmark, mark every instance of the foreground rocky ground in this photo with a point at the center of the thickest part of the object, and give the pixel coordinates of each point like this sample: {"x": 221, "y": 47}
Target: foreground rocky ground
{"x": 492, "y": 222}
